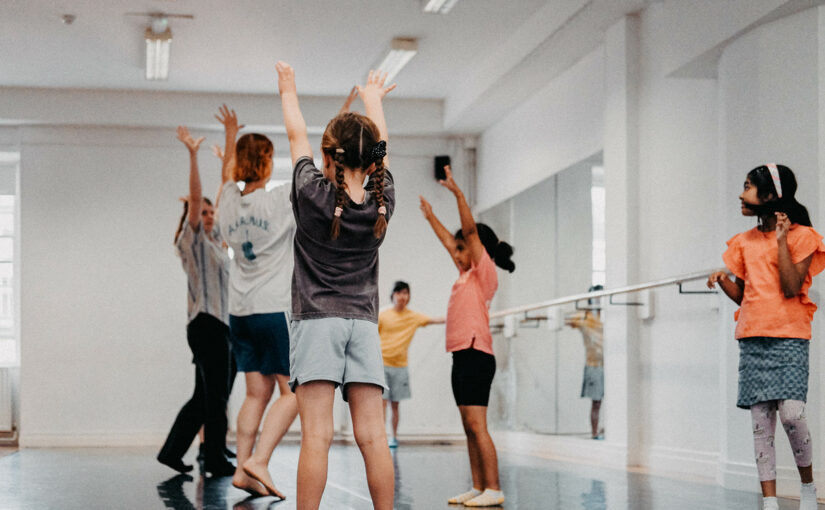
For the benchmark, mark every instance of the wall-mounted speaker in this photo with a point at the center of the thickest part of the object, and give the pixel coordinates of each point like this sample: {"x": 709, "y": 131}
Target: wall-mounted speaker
{"x": 440, "y": 163}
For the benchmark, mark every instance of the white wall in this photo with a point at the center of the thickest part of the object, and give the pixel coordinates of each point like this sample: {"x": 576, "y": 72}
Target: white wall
{"x": 560, "y": 125}
{"x": 104, "y": 358}
{"x": 690, "y": 96}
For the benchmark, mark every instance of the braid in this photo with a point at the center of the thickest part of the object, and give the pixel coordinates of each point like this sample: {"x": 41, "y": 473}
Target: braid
{"x": 378, "y": 189}
{"x": 340, "y": 195}
{"x": 182, "y": 219}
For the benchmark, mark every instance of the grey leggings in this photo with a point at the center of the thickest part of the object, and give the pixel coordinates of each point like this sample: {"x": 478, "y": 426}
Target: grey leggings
{"x": 792, "y": 415}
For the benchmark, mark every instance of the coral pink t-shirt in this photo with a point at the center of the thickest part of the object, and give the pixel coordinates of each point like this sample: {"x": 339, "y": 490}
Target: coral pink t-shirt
{"x": 468, "y": 312}
{"x": 765, "y": 311}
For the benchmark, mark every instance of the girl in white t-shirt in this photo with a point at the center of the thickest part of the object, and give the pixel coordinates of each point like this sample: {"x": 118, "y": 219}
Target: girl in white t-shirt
{"x": 257, "y": 224}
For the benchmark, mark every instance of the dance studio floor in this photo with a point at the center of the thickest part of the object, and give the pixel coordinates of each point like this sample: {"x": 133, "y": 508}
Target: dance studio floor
{"x": 130, "y": 478}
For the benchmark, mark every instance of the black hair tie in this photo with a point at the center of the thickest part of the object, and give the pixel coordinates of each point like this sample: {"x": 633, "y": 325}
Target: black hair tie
{"x": 378, "y": 151}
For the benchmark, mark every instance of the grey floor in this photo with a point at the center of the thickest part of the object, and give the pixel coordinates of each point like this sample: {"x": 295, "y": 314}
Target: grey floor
{"x": 426, "y": 476}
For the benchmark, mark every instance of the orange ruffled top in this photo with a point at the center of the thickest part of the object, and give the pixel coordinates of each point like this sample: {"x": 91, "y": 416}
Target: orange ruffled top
{"x": 752, "y": 256}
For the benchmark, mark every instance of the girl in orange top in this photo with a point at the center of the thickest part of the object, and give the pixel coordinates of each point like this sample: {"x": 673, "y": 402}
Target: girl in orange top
{"x": 473, "y": 249}
{"x": 773, "y": 265}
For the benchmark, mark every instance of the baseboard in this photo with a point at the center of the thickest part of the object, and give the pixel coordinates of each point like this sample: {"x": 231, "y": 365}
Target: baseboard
{"x": 91, "y": 440}
{"x": 413, "y": 438}
{"x": 564, "y": 448}
{"x": 701, "y": 465}
{"x": 743, "y": 476}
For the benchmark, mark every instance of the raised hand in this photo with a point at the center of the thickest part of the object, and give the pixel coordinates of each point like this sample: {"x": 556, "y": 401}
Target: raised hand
{"x": 375, "y": 86}
{"x": 217, "y": 150}
{"x": 190, "y": 143}
{"x": 425, "y": 207}
{"x": 717, "y": 277}
{"x": 350, "y": 98}
{"x": 448, "y": 181}
{"x": 229, "y": 120}
{"x": 783, "y": 225}
{"x": 286, "y": 77}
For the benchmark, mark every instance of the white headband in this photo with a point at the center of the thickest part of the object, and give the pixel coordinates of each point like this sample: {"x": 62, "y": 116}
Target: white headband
{"x": 775, "y": 175}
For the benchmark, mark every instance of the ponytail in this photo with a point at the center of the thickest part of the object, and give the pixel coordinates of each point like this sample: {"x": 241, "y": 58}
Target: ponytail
{"x": 499, "y": 251}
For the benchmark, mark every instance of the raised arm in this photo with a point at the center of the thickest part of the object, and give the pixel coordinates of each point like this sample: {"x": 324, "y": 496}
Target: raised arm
{"x": 353, "y": 93}
{"x": 373, "y": 96}
{"x": 441, "y": 232}
{"x": 229, "y": 120}
{"x": 468, "y": 224}
{"x": 195, "y": 191}
{"x": 296, "y": 126}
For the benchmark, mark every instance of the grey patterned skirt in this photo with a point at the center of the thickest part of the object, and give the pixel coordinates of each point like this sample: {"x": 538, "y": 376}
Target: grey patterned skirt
{"x": 772, "y": 369}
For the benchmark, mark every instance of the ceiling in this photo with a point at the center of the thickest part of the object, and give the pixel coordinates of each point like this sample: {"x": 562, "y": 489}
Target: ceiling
{"x": 232, "y": 47}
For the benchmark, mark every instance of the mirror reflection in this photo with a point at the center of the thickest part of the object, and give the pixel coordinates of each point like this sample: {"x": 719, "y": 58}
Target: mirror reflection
{"x": 551, "y": 374}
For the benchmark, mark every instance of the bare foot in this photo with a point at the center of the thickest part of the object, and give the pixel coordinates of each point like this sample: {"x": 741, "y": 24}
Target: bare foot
{"x": 260, "y": 472}
{"x": 239, "y": 481}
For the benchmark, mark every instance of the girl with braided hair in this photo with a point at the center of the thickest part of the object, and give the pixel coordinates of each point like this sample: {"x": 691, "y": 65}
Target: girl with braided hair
{"x": 340, "y": 225}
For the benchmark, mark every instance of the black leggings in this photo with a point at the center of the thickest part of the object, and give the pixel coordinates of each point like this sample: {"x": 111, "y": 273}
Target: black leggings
{"x": 214, "y": 372}
{"x": 472, "y": 377}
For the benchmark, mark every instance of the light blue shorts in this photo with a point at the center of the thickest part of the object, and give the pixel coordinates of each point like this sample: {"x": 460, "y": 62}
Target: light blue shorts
{"x": 398, "y": 384}
{"x": 342, "y": 351}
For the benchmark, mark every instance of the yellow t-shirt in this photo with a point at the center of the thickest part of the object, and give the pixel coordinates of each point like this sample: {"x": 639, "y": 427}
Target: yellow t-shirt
{"x": 396, "y": 331}
{"x": 593, "y": 336}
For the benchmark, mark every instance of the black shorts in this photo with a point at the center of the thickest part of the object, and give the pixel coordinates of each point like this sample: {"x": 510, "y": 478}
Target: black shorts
{"x": 472, "y": 377}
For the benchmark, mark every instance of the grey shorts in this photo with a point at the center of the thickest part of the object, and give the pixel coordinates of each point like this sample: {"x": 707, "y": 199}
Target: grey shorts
{"x": 398, "y": 382}
{"x": 341, "y": 351}
{"x": 593, "y": 383}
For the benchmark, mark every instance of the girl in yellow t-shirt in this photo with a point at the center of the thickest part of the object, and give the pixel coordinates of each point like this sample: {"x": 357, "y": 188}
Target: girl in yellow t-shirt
{"x": 773, "y": 265}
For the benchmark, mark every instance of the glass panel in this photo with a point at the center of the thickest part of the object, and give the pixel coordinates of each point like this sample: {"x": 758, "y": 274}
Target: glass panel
{"x": 557, "y": 230}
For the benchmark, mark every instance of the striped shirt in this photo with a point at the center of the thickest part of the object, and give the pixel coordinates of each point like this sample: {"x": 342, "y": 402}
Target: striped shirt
{"x": 206, "y": 264}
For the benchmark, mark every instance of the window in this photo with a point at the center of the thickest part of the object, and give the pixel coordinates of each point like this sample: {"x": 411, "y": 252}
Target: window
{"x": 597, "y": 197}
{"x": 9, "y": 338}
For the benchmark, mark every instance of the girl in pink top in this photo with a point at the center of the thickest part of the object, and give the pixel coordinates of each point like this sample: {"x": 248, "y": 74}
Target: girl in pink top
{"x": 773, "y": 265}
{"x": 473, "y": 249}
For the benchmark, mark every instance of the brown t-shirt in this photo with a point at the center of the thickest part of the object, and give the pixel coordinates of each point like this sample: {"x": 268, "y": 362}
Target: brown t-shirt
{"x": 335, "y": 277}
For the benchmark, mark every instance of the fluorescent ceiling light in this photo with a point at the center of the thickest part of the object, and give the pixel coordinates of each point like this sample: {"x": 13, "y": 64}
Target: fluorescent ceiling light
{"x": 438, "y": 6}
{"x": 157, "y": 53}
{"x": 402, "y": 49}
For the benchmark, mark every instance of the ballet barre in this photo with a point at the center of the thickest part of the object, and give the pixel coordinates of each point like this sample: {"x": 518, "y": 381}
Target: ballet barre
{"x": 552, "y": 315}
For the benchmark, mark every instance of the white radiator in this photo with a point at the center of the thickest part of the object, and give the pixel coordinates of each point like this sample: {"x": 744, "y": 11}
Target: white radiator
{"x": 6, "y": 399}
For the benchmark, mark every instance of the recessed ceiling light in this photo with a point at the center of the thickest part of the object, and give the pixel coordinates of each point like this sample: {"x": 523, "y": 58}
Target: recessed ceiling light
{"x": 438, "y": 6}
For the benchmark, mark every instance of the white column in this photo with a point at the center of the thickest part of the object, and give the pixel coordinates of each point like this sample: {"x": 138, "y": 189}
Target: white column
{"x": 621, "y": 156}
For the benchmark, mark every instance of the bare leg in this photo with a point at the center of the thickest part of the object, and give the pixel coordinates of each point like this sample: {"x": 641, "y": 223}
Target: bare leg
{"x": 315, "y": 401}
{"x": 371, "y": 437}
{"x": 594, "y": 417}
{"x": 394, "y": 419}
{"x": 259, "y": 389}
{"x": 482, "y": 451}
{"x": 280, "y": 416}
